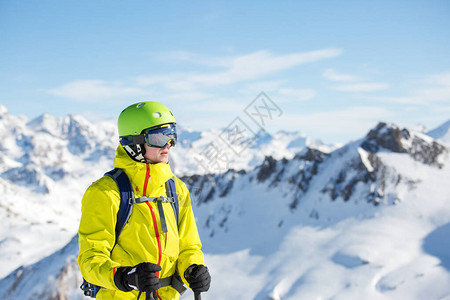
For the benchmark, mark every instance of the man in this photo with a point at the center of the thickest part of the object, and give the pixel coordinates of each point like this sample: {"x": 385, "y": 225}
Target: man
{"x": 152, "y": 247}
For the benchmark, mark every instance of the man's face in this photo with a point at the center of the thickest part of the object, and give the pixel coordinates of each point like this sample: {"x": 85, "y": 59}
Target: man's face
{"x": 157, "y": 155}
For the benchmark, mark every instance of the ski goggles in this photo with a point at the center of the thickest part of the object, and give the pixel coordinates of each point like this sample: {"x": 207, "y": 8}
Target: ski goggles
{"x": 161, "y": 136}
{"x": 157, "y": 137}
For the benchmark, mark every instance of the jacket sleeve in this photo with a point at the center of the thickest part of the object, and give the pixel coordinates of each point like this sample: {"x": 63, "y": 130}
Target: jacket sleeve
{"x": 96, "y": 234}
{"x": 189, "y": 242}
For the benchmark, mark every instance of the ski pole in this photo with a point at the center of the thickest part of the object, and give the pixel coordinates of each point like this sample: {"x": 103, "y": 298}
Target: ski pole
{"x": 197, "y": 296}
{"x": 151, "y": 296}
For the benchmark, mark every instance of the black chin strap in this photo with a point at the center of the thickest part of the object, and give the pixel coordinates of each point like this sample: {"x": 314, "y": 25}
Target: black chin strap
{"x": 136, "y": 152}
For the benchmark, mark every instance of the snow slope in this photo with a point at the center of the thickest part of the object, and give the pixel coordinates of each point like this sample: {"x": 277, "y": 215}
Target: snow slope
{"x": 370, "y": 220}
{"x": 441, "y": 133}
{"x": 47, "y": 163}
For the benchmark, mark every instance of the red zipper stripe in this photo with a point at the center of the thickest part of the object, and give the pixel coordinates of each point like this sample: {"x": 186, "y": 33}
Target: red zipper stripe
{"x": 147, "y": 177}
{"x": 155, "y": 224}
{"x": 158, "y": 238}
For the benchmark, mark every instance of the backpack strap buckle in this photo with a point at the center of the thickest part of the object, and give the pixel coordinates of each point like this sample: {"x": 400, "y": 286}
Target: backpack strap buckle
{"x": 143, "y": 199}
{"x": 175, "y": 282}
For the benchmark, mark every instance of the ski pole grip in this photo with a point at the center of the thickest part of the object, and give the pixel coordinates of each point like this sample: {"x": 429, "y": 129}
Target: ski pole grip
{"x": 197, "y": 296}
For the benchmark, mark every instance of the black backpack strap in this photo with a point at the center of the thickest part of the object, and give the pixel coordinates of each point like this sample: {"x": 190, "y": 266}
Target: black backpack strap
{"x": 175, "y": 282}
{"x": 126, "y": 203}
{"x": 126, "y": 198}
{"x": 172, "y": 193}
{"x": 178, "y": 284}
{"x": 89, "y": 289}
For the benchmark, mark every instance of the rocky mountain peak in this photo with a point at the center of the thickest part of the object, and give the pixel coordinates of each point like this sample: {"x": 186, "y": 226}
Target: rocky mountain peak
{"x": 389, "y": 137}
{"x": 276, "y": 199}
{"x": 385, "y": 136}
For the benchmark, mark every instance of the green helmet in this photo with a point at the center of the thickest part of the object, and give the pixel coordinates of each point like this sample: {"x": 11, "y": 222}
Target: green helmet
{"x": 137, "y": 117}
{"x": 142, "y": 115}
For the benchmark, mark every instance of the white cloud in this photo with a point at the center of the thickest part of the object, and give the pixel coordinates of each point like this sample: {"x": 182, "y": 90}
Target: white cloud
{"x": 438, "y": 89}
{"x": 398, "y": 99}
{"x": 431, "y": 89}
{"x": 442, "y": 109}
{"x": 237, "y": 69}
{"x": 362, "y": 87}
{"x": 351, "y": 85}
{"x": 226, "y": 71}
{"x": 334, "y": 126}
{"x": 261, "y": 63}
{"x": 210, "y": 114}
{"x": 254, "y": 88}
{"x": 339, "y": 77}
{"x": 91, "y": 90}
{"x": 434, "y": 94}
{"x": 442, "y": 79}
{"x": 345, "y": 116}
{"x": 298, "y": 94}
{"x": 185, "y": 56}
{"x": 188, "y": 96}
{"x": 174, "y": 81}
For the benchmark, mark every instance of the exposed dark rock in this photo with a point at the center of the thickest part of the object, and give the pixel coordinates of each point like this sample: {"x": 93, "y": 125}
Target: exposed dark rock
{"x": 427, "y": 153}
{"x": 390, "y": 138}
{"x": 347, "y": 191}
{"x": 201, "y": 186}
{"x": 309, "y": 159}
{"x": 210, "y": 194}
{"x": 314, "y": 214}
{"x": 267, "y": 168}
{"x": 310, "y": 154}
{"x": 223, "y": 222}
{"x": 294, "y": 203}
{"x": 370, "y": 146}
{"x": 208, "y": 221}
{"x": 384, "y": 136}
{"x": 405, "y": 134}
{"x": 277, "y": 179}
{"x": 227, "y": 181}
{"x": 205, "y": 187}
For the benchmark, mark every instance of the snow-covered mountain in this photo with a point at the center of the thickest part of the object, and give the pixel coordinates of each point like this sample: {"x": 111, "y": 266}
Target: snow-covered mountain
{"x": 198, "y": 151}
{"x": 378, "y": 170}
{"x": 47, "y": 163}
{"x": 442, "y": 133}
{"x": 370, "y": 220}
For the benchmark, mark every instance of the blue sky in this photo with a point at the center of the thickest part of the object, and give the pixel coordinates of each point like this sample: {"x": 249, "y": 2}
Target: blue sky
{"x": 334, "y": 68}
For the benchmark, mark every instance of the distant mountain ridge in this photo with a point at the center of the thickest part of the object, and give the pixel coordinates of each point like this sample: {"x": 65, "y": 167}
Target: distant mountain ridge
{"x": 47, "y": 163}
{"x": 364, "y": 216}
{"x": 441, "y": 133}
{"x": 49, "y": 144}
{"x": 355, "y": 173}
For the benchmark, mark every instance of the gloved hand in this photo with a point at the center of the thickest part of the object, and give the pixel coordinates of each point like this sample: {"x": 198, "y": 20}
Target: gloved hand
{"x": 141, "y": 277}
{"x": 198, "y": 278}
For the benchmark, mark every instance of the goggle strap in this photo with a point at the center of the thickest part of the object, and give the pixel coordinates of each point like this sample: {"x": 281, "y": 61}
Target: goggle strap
{"x": 132, "y": 140}
{"x": 138, "y": 139}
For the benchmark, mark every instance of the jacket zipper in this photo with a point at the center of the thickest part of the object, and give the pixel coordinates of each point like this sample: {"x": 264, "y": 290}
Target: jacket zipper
{"x": 155, "y": 224}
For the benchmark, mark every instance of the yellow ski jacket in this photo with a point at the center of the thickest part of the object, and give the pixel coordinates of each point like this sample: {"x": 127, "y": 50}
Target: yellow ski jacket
{"x": 142, "y": 239}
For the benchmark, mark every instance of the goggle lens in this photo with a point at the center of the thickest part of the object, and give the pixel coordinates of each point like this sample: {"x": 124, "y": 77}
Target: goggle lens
{"x": 160, "y": 137}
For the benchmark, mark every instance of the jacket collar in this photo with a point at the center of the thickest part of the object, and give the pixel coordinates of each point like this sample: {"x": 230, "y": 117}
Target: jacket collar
{"x": 139, "y": 173}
